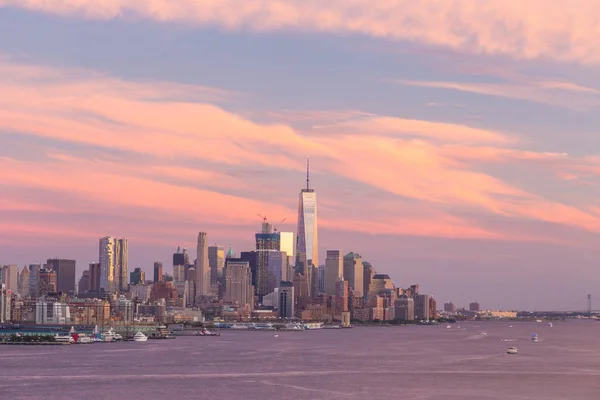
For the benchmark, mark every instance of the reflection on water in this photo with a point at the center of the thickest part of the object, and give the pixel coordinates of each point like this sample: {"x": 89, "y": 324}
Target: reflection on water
{"x": 415, "y": 362}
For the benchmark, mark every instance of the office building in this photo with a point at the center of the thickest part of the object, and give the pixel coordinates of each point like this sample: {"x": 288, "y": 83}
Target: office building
{"x": 474, "y": 307}
{"x": 307, "y": 243}
{"x": 34, "y": 280}
{"x": 202, "y": 268}
{"x": 404, "y": 309}
{"x": 422, "y": 310}
{"x": 276, "y": 271}
{"x": 238, "y": 283}
{"x": 334, "y": 270}
{"x": 341, "y": 296}
{"x": 24, "y": 282}
{"x": 47, "y": 281}
{"x": 179, "y": 265}
{"x": 84, "y": 282}
{"x": 216, "y": 262}
{"x": 52, "y": 313}
{"x": 321, "y": 278}
{"x": 158, "y": 271}
{"x": 286, "y": 300}
{"x": 449, "y": 307}
{"x": 137, "y": 277}
{"x": 113, "y": 264}
{"x": 10, "y": 277}
{"x": 368, "y": 274}
{"x": 354, "y": 273}
{"x": 65, "y": 274}
{"x": 95, "y": 276}
{"x": 5, "y": 295}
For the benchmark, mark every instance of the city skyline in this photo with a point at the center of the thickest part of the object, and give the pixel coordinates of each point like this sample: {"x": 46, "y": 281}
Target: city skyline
{"x": 443, "y": 152}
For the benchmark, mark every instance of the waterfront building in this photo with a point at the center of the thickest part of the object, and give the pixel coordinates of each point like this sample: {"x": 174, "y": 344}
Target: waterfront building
{"x": 307, "y": 243}
{"x": 380, "y": 284}
{"x": 474, "y": 307}
{"x": 5, "y": 295}
{"x": 158, "y": 271}
{"x": 341, "y": 297}
{"x": 137, "y": 276}
{"x": 354, "y": 273}
{"x": 65, "y": 273}
{"x": 432, "y": 308}
{"x": 202, "y": 278}
{"x": 24, "y": 282}
{"x": 449, "y": 307}
{"x": 404, "y": 309}
{"x": 52, "y": 313}
{"x": 422, "y": 311}
{"x": 334, "y": 270}
{"x": 286, "y": 300}
{"x": 216, "y": 262}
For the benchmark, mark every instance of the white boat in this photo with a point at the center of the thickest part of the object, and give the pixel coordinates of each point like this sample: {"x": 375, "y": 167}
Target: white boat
{"x": 239, "y": 326}
{"x": 512, "y": 350}
{"x": 483, "y": 333}
{"x": 448, "y": 327}
{"x": 85, "y": 340}
{"x": 276, "y": 335}
{"x": 64, "y": 338}
{"x": 550, "y": 324}
{"x": 538, "y": 320}
{"x": 313, "y": 325}
{"x": 140, "y": 337}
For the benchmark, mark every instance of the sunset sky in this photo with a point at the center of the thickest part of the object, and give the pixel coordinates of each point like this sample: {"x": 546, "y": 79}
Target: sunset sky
{"x": 453, "y": 143}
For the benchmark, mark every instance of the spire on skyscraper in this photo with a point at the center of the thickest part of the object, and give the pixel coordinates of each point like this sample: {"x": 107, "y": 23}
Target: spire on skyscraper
{"x": 307, "y": 173}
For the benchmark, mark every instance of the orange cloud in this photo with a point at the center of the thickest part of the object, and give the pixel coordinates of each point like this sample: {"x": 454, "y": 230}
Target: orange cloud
{"x": 420, "y": 160}
{"x": 560, "y": 30}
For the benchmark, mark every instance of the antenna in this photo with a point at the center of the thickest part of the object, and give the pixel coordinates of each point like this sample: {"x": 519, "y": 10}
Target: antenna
{"x": 307, "y": 173}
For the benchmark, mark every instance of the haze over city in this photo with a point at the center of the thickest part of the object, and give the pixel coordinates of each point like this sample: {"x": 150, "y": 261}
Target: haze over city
{"x": 460, "y": 152}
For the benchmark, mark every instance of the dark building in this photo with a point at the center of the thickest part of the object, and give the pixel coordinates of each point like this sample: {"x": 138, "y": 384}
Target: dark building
{"x": 267, "y": 241}
{"x": 252, "y": 258}
{"x": 84, "y": 282}
{"x": 474, "y": 307}
{"x": 137, "y": 276}
{"x": 286, "y": 300}
{"x": 47, "y": 281}
{"x": 65, "y": 274}
{"x": 179, "y": 257}
{"x": 94, "y": 277}
{"x": 158, "y": 272}
{"x": 449, "y": 307}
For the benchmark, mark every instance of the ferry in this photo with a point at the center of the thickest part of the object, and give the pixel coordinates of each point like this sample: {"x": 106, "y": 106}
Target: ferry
{"x": 512, "y": 350}
{"x": 64, "y": 338}
{"x": 111, "y": 336}
{"x": 294, "y": 327}
{"x": 206, "y": 332}
{"x": 313, "y": 325}
{"x": 140, "y": 337}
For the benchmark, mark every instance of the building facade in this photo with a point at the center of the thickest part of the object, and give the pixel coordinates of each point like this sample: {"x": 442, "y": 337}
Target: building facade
{"x": 202, "y": 267}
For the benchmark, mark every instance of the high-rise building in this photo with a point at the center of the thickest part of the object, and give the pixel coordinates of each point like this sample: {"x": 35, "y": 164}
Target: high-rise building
{"x": 84, "y": 282}
{"x": 179, "y": 265}
{"x": 276, "y": 270}
{"x": 95, "y": 276}
{"x": 216, "y": 261}
{"x": 368, "y": 274}
{"x": 267, "y": 242}
{"x": 422, "y": 307}
{"x": 238, "y": 283}
{"x": 321, "y": 277}
{"x": 5, "y": 295}
{"x": 432, "y": 308}
{"x": 158, "y": 271}
{"x": 137, "y": 277}
{"x": 380, "y": 283}
{"x": 354, "y": 273}
{"x": 474, "y": 307}
{"x": 334, "y": 270}
{"x": 47, "y": 281}
{"x": 404, "y": 309}
{"x": 113, "y": 264}
{"x": 65, "y": 274}
{"x": 202, "y": 267}
{"x": 24, "y": 282}
{"x": 10, "y": 277}
{"x": 307, "y": 243}
{"x": 34, "y": 280}
{"x": 341, "y": 296}
{"x": 286, "y": 300}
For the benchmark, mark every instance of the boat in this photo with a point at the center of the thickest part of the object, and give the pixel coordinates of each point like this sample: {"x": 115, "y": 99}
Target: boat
{"x": 64, "y": 338}
{"x": 140, "y": 337}
{"x": 448, "y": 327}
{"x": 483, "y": 333}
{"x": 313, "y": 325}
{"x": 550, "y": 324}
{"x": 276, "y": 335}
{"x": 206, "y": 332}
{"x": 534, "y": 338}
{"x": 512, "y": 350}
{"x": 538, "y": 320}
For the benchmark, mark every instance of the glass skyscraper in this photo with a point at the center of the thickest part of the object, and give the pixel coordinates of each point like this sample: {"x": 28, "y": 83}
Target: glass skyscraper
{"x": 307, "y": 244}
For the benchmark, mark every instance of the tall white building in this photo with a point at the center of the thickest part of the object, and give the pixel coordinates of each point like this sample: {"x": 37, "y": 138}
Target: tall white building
{"x": 10, "y": 277}
{"x": 307, "y": 243}
{"x": 202, "y": 268}
{"x": 113, "y": 256}
{"x": 334, "y": 270}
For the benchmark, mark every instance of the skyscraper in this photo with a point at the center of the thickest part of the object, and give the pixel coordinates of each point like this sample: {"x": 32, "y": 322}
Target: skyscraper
{"x": 354, "y": 273}
{"x": 158, "y": 271}
{"x": 286, "y": 300}
{"x": 334, "y": 270}
{"x": 10, "y": 277}
{"x": 179, "y": 265}
{"x": 95, "y": 276}
{"x": 34, "y": 280}
{"x": 65, "y": 274}
{"x": 238, "y": 283}
{"x": 113, "y": 264}
{"x": 216, "y": 261}
{"x": 307, "y": 244}
{"x": 24, "y": 282}
{"x": 84, "y": 282}
{"x": 202, "y": 267}
{"x": 267, "y": 242}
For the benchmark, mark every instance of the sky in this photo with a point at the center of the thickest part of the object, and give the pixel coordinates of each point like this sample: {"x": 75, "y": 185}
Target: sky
{"x": 453, "y": 143}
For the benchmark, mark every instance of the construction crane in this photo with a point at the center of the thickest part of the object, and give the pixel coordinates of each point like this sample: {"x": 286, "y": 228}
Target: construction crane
{"x": 264, "y": 218}
{"x": 280, "y": 222}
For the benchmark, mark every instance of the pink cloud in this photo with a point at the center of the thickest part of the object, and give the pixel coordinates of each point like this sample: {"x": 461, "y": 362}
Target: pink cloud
{"x": 560, "y": 30}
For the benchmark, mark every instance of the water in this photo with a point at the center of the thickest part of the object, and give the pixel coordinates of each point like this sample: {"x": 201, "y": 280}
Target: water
{"x": 416, "y": 362}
